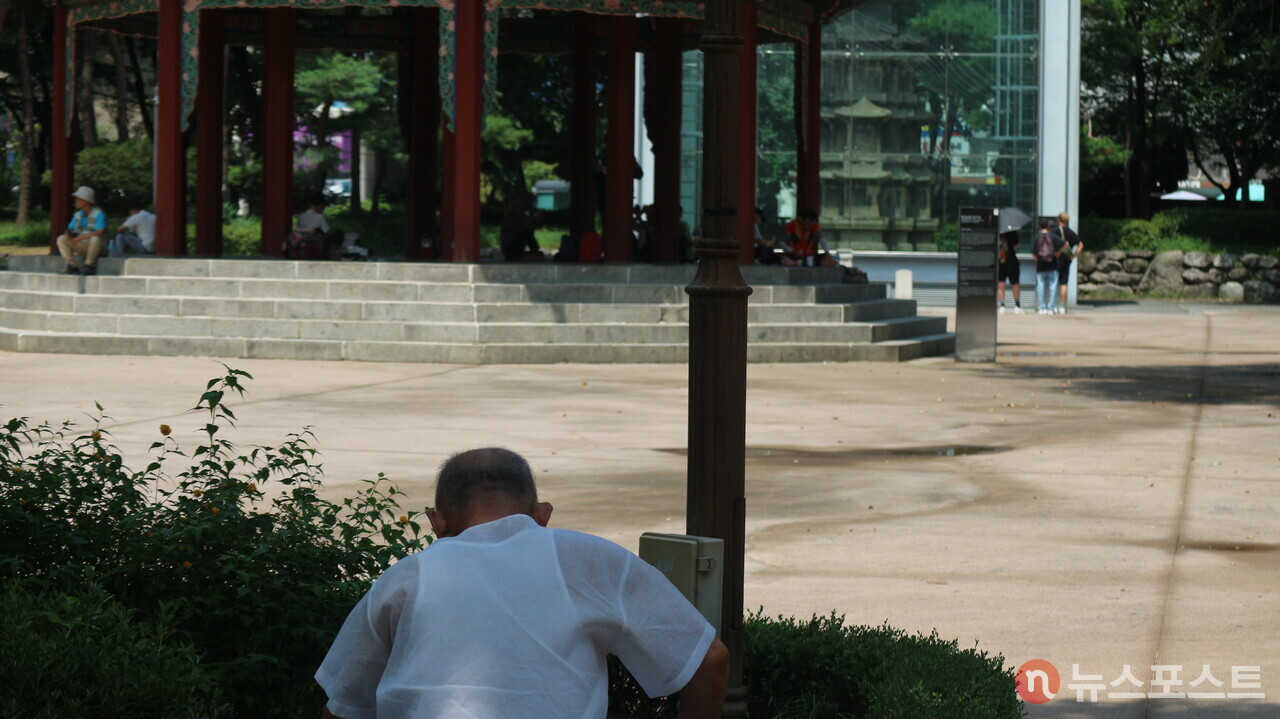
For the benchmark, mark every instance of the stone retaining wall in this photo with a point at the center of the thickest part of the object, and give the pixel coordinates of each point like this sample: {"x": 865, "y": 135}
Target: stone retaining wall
{"x": 1193, "y": 275}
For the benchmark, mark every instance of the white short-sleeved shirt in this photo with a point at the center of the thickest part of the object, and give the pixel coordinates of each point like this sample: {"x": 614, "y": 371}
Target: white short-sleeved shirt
{"x": 310, "y": 220}
{"x": 510, "y": 620}
{"x": 143, "y": 224}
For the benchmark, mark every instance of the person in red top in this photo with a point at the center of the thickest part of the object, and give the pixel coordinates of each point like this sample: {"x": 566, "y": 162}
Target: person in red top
{"x": 805, "y": 238}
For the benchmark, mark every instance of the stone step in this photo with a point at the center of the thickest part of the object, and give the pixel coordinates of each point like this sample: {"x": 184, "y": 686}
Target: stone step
{"x": 416, "y": 312}
{"x": 367, "y": 291}
{"x": 82, "y": 322}
{"x": 34, "y": 300}
{"x": 481, "y": 273}
{"x": 143, "y": 345}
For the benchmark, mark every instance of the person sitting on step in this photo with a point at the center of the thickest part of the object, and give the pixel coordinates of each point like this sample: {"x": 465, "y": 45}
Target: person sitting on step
{"x": 137, "y": 234}
{"x": 84, "y": 234}
{"x": 805, "y": 237}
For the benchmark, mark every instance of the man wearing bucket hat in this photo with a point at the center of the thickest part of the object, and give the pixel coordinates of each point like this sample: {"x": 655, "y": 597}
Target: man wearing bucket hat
{"x": 84, "y": 233}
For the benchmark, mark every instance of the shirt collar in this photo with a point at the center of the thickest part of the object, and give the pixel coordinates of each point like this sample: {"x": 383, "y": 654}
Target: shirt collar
{"x": 499, "y": 530}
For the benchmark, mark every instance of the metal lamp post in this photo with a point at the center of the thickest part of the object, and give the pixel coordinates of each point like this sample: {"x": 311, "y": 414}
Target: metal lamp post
{"x": 718, "y": 337}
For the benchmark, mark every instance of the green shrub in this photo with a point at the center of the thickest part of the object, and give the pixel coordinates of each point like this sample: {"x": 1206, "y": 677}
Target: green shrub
{"x": 1190, "y": 230}
{"x": 1100, "y": 233}
{"x": 1237, "y": 231}
{"x": 32, "y": 234}
{"x": 828, "y": 669}
{"x": 244, "y": 181}
{"x": 85, "y": 654}
{"x": 257, "y": 571}
{"x": 822, "y": 668}
{"x": 116, "y": 171}
{"x": 947, "y": 237}
{"x": 242, "y": 237}
{"x": 382, "y": 233}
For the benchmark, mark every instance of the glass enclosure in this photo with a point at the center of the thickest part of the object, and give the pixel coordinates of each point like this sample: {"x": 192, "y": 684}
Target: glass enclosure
{"x": 927, "y": 105}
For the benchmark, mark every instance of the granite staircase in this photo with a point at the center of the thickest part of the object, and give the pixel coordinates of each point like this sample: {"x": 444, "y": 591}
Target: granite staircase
{"x": 446, "y": 313}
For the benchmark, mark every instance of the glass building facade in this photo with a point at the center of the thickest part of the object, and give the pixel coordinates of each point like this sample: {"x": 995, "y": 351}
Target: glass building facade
{"x": 927, "y": 106}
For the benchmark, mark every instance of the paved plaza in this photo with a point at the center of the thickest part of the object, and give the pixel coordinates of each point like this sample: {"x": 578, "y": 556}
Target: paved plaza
{"x": 1104, "y": 495}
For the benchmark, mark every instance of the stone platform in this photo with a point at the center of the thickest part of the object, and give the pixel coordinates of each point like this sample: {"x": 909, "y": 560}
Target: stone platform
{"x": 453, "y": 313}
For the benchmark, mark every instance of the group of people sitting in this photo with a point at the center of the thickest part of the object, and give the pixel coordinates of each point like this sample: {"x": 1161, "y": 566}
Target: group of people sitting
{"x": 312, "y": 239}
{"x": 802, "y": 243}
{"x": 87, "y": 229}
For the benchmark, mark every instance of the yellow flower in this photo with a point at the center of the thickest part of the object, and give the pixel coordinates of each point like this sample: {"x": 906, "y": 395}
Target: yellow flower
{"x": 253, "y": 486}
{"x": 404, "y": 519}
{"x": 186, "y": 565}
{"x": 197, "y": 492}
{"x": 164, "y": 429}
{"x": 215, "y": 510}
{"x": 96, "y": 435}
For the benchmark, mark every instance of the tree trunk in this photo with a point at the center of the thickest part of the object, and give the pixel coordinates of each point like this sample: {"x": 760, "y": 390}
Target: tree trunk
{"x": 122, "y": 87}
{"x": 379, "y": 172}
{"x": 322, "y": 144}
{"x": 1233, "y": 173}
{"x": 1195, "y": 155}
{"x": 28, "y": 125}
{"x": 1128, "y": 145}
{"x": 140, "y": 90}
{"x": 1141, "y": 143}
{"x": 84, "y": 89}
{"x": 356, "y": 207}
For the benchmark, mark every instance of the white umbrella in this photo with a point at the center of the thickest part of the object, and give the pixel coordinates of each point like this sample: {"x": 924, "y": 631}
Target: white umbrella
{"x": 1011, "y": 218}
{"x": 1184, "y": 195}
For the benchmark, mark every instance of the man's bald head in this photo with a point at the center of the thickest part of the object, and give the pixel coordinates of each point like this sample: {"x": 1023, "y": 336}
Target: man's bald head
{"x": 485, "y": 481}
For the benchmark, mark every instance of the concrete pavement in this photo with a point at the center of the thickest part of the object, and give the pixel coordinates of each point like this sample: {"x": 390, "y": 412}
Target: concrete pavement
{"x": 1104, "y": 495}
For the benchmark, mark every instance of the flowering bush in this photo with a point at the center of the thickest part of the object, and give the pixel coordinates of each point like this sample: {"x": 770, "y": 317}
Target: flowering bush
{"x": 255, "y": 568}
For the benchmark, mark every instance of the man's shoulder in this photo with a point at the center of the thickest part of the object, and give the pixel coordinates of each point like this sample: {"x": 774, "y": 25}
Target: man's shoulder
{"x": 572, "y": 539}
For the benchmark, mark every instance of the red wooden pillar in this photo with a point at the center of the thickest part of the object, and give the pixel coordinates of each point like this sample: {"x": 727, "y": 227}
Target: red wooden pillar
{"x": 460, "y": 214}
{"x": 209, "y": 114}
{"x": 582, "y": 127}
{"x": 62, "y": 160}
{"x": 620, "y": 159}
{"x": 809, "y": 187}
{"x": 424, "y": 112}
{"x": 170, "y": 170}
{"x": 278, "y": 126}
{"x": 666, "y": 141}
{"x": 747, "y": 99}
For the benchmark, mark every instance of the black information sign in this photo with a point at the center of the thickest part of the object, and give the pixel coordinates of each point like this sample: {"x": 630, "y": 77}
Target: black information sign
{"x": 976, "y": 266}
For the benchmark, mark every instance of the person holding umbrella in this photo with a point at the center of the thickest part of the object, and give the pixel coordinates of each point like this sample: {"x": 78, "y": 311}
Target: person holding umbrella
{"x": 1010, "y": 270}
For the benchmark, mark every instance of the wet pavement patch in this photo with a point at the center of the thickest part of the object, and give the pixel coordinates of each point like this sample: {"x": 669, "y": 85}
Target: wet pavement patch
{"x": 796, "y": 455}
{"x": 1037, "y": 354}
{"x": 1230, "y": 546}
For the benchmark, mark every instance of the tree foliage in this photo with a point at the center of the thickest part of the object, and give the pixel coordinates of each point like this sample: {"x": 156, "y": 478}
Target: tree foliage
{"x": 1168, "y": 78}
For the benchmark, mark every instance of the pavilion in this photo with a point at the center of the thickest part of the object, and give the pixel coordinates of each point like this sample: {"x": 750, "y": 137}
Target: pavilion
{"x": 451, "y": 49}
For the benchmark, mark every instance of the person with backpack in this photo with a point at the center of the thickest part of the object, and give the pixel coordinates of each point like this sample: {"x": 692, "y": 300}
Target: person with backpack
{"x": 1047, "y": 249}
{"x": 1072, "y": 251}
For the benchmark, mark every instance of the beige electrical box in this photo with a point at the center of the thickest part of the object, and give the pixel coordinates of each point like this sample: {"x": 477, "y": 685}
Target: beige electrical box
{"x": 695, "y": 565}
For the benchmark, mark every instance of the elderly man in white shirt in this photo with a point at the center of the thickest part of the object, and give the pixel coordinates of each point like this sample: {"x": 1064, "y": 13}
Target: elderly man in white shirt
{"x": 502, "y": 617}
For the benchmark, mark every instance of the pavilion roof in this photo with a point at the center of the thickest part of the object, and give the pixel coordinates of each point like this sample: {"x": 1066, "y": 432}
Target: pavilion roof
{"x": 782, "y": 19}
